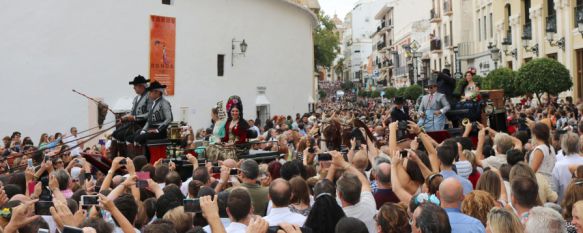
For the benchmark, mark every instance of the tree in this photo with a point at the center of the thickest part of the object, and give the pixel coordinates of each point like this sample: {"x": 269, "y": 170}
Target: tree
{"x": 402, "y": 92}
{"x": 326, "y": 41}
{"x": 390, "y": 92}
{"x": 413, "y": 92}
{"x": 347, "y": 85}
{"x": 322, "y": 94}
{"x": 502, "y": 78}
{"x": 543, "y": 75}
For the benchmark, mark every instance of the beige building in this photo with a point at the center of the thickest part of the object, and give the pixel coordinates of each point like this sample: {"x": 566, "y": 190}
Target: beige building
{"x": 383, "y": 45}
{"x": 528, "y": 29}
{"x": 441, "y": 36}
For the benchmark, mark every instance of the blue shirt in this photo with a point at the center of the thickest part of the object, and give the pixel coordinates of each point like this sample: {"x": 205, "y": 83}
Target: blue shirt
{"x": 463, "y": 223}
{"x": 466, "y": 184}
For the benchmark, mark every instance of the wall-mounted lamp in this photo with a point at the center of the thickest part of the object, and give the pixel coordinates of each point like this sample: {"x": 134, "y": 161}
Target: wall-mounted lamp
{"x": 507, "y": 51}
{"x": 551, "y": 31}
{"x": 527, "y": 37}
{"x": 242, "y": 47}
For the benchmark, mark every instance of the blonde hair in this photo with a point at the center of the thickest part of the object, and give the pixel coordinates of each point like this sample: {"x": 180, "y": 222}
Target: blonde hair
{"x": 477, "y": 204}
{"x": 578, "y": 206}
{"x": 470, "y": 156}
{"x": 182, "y": 221}
{"x": 503, "y": 221}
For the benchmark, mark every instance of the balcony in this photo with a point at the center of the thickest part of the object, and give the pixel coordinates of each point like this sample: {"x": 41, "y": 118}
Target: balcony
{"x": 435, "y": 46}
{"x": 381, "y": 44}
{"x": 447, "y": 8}
{"x": 551, "y": 24}
{"x": 508, "y": 39}
{"x": 578, "y": 13}
{"x": 400, "y": 71}
{"x": 387, "y": 63}
{"x": 527, "y": 31}
{"x": 434, "y": 16}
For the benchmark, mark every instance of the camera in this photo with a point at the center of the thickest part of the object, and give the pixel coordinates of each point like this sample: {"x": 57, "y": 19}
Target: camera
{"x": 89, "y": 200}
{"x": 43, "y": 208}
{"x": 402, "y": 130}
{"x": 324, "y": 157}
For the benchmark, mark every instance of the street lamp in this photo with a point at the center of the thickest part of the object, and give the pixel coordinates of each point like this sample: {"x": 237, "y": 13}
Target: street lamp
{"x": 551, "y": 30}
{"x": 458, "y": 64}
{"x": 526, "y": 37}
{"x": 242, "y": 47}
{"x": 507, "y": 52}
{"x": 494, "y": 54}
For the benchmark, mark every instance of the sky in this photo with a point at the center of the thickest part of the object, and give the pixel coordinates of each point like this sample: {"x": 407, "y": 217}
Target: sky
{"x": 341, "y": 7}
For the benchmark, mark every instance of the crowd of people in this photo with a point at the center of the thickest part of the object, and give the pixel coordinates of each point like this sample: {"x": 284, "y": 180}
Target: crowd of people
{"x": 527, "y": 177}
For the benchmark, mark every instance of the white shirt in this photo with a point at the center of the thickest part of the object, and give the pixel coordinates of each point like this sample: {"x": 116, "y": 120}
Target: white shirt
{"x": 364, "y": 210}
{"x": 284, "y": 215}
{"x": 226, "y": 222}
{"x": 236, "y": 227}
{"x": 561, "y": 174}
{"x": 184, "y": 186}
{"x": 71, "y": 142}
{"x": 270, "y": 205}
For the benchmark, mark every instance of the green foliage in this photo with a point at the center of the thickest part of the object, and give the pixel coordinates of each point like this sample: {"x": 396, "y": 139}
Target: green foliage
{"x": 322, "y": 94}
{"x": 347, "y": 85}
{"x": 326, "y": 41}
{"x": 543, "y": 75}
{"x": 402, "y": 92}
{"x": 390, "y": 92}
{"x": 502, "y": 78}
{"x": 413, "y": 92}
{"x": 363, "y": 93}
{"x": 461, "y": 82}
{"x": 375, "y": 94}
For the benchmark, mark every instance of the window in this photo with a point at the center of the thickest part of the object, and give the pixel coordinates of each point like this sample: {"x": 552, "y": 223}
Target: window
{"x": 527, "y": 11}
{"x": 220, "y": 65}
{"x": 479, "y": 30}
{"x": 485, "y": 29}
{"x": 167, "y": 2}
{"x": 491, "y": 26}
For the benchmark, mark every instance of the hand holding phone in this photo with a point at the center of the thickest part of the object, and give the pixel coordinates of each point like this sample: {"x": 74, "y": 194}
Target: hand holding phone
{"x": 142, "y": 179}
{"x": 403, "y": 154}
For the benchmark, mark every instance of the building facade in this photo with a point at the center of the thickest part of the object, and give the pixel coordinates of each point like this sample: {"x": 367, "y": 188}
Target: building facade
{"x": 96, "y": 47}
{"x": 473, "y": 31}
{"x": 529, "y": 29}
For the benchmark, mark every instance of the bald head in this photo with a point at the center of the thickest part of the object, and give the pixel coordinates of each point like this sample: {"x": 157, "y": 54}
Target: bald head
{"x": 230, "y": 163}
{"x": 451, "y": 191}
{"x": 280, "y": 192}
{"x": 383, "y": 173}
{"x": 360, "y": 160}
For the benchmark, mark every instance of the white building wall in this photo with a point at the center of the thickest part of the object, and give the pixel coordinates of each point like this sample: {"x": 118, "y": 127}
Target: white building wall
{"x": 53, "y": 46}
{"x": 363, "y": 26}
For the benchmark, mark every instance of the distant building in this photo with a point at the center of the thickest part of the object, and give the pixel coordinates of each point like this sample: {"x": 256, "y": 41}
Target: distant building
{"x": 98, "y": 46}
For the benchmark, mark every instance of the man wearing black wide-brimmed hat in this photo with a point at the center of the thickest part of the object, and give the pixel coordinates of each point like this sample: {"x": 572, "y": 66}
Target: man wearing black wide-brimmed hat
{"x": 136, "y": 119}
{"x": 400, "y": 110}
{"x": 158, "y": 118}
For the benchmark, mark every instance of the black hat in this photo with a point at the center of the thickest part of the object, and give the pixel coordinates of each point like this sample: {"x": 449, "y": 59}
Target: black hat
{"x": 139, "y": 80}
{"x": 156, "y": 85}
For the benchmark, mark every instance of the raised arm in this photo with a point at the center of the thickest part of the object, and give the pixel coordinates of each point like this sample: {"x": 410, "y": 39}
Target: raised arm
{"x": 399, "y": 190}
{"x": 338, "y": 160}
{"x": 107, "y": 180}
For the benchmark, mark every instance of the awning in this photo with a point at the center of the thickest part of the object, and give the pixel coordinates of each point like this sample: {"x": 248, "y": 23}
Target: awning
{"x": 123, "y": 105}
{"x": 261, "y": 100}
